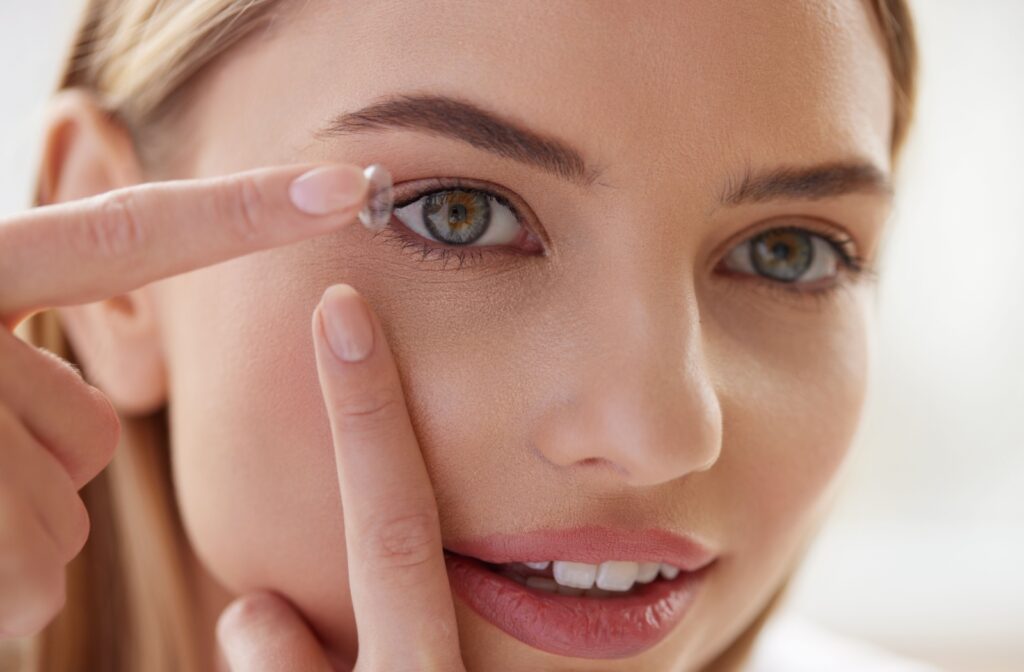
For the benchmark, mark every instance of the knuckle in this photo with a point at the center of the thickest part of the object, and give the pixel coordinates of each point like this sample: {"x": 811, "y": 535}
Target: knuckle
{"x": 406, "y": 541}
{"x": 31, "y": 603}
{"x": 117, "y": 229}
{"x": 31, "y": 582}
{"x": 244, "y": 205}
{"x": 370, "y": 406}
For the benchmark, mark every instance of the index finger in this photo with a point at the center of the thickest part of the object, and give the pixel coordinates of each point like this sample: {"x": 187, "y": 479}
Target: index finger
{"x": 95, "y": 248}
{"x": 405, "y": 615}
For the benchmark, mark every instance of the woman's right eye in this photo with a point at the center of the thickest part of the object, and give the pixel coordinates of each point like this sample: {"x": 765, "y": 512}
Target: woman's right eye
{"x": 469, "y": 217}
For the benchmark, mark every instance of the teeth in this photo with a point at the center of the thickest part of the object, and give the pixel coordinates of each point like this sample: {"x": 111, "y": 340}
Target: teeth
{"x": 575, "y": 574}
{"x": 609, "y": 577}
{"x": 543, "y": 583}
{"x": 617, "y": 575}
{"x": 647, "y": 572}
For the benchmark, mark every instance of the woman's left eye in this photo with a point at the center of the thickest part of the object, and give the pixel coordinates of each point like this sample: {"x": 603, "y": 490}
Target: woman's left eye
{"x": 461, "y": 217}
{"x": 790, "y": 255}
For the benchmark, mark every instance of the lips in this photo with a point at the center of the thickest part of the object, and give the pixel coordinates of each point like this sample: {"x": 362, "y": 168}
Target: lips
{"x": 579, "y": 624}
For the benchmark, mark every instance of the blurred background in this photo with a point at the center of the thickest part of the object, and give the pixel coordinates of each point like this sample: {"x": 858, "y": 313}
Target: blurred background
{"x": 925, "y": 552}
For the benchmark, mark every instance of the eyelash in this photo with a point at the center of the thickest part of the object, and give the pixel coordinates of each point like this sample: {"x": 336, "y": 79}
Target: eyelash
{"x": 852, "y": 265}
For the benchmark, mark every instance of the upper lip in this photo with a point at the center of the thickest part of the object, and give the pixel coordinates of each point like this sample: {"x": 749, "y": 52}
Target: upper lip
{"x": 591, "y": 544}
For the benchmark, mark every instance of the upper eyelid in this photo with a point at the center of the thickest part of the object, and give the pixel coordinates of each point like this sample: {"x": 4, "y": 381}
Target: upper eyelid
{"x": 814, "y": 225}
{"x": 440, "y": 184}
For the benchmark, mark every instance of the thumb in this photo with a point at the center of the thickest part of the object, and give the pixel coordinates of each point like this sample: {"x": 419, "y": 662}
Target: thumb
{"x": 262, "y": 632}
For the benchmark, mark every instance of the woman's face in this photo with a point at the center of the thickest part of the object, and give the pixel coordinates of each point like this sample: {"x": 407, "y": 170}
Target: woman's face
{"x": 645, "y": 348}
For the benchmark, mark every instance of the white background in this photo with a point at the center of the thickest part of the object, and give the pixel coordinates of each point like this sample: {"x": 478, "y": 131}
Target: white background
{"x": 925, "y": 552}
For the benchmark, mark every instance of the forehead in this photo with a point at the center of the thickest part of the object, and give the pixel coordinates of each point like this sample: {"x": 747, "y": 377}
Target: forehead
{"x": 663, "y": 83}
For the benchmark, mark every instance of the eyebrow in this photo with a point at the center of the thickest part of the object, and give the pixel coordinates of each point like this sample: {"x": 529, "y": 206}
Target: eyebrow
{"x": 825, "y": 180}
{"x": 461, "y": 120}
{"x": 467, "y": 122}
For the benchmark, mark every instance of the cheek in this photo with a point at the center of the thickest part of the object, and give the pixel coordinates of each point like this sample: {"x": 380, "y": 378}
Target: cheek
{"x": 253, "y": 461}
{"x": 253, "y": 458}
{"x": 795, "y": 419}
{"x": 791, "y": 402}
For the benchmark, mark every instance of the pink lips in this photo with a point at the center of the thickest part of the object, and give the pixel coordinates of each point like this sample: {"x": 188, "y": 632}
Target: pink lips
{"x": 584, "y": 627}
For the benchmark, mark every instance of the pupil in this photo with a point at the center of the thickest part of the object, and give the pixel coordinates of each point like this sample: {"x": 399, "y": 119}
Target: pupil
{"x": 780, "y": 250}
{"x": 456, "y": 213}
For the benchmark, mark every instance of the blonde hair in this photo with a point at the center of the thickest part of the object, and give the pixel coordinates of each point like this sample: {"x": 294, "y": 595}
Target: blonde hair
{"x": 128, "y": 591}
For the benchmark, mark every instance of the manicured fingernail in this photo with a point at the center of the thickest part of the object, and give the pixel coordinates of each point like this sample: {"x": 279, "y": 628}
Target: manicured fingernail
{"x": 329, "y": 189}
{"x": 347, "y": 323}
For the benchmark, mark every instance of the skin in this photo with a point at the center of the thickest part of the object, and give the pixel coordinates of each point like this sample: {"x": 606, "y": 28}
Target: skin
{"x": 619, "y": 379}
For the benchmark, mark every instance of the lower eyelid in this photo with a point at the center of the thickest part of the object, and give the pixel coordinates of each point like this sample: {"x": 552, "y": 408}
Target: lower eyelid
{"x": 427, "y": 252}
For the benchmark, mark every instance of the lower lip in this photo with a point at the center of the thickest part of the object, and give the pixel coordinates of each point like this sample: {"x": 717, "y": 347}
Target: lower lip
{"x": 581, "y": 627}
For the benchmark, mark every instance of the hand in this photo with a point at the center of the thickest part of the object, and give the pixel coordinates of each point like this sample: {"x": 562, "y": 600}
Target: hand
{"x": 57, "y": 432}
{"x": 403, "y": 604}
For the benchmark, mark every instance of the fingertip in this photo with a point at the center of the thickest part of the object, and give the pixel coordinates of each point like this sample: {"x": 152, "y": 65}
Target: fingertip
{"x": 329, "y": 189}
{"x": 261, "y": 631}
{"x": 243, "y": 623}
{"x": 245, "y": 613}
{"x": 347, "y": 324}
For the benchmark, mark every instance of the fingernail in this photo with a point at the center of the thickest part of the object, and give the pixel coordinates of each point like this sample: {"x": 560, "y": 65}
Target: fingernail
{"x": 347, "y": 323}
{"x": 328, "y": 189}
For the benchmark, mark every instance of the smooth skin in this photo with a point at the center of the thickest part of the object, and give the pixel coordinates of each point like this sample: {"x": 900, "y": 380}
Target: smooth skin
{"x": 131, "y": 237}
{"x": 619, "y": 379}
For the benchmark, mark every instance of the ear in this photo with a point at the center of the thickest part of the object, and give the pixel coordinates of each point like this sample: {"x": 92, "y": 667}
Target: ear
{"x": 86, "y": 151}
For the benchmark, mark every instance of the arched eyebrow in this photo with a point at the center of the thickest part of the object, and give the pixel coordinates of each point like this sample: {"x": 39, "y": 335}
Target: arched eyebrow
{"x": 464, "y": 121}
{"x": 461, "y": 120}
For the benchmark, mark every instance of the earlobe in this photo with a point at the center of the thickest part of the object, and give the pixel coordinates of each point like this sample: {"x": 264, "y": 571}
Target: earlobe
{"x": 87, "y": 151}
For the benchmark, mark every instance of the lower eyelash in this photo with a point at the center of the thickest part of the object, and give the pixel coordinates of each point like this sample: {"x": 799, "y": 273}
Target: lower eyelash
{"x": 818, "y": 296}
{"x": 415, "y": 245}
{"x": 854, "y": 272}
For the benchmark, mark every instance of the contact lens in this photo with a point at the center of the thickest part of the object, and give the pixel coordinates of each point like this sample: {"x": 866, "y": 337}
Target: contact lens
{"x": 377, "y": 213}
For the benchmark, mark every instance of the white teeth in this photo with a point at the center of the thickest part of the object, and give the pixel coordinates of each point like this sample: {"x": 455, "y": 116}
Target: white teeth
{"x": 575, "y": 574}
{"x": 616, "y": 575}
{"x": 647, "y": 572}
{"x": 543, "y": 583}
{"x": 611, "y": 576}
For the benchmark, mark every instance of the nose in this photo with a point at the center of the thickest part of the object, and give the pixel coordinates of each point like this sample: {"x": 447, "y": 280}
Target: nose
{"x": 635, "y": 402}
